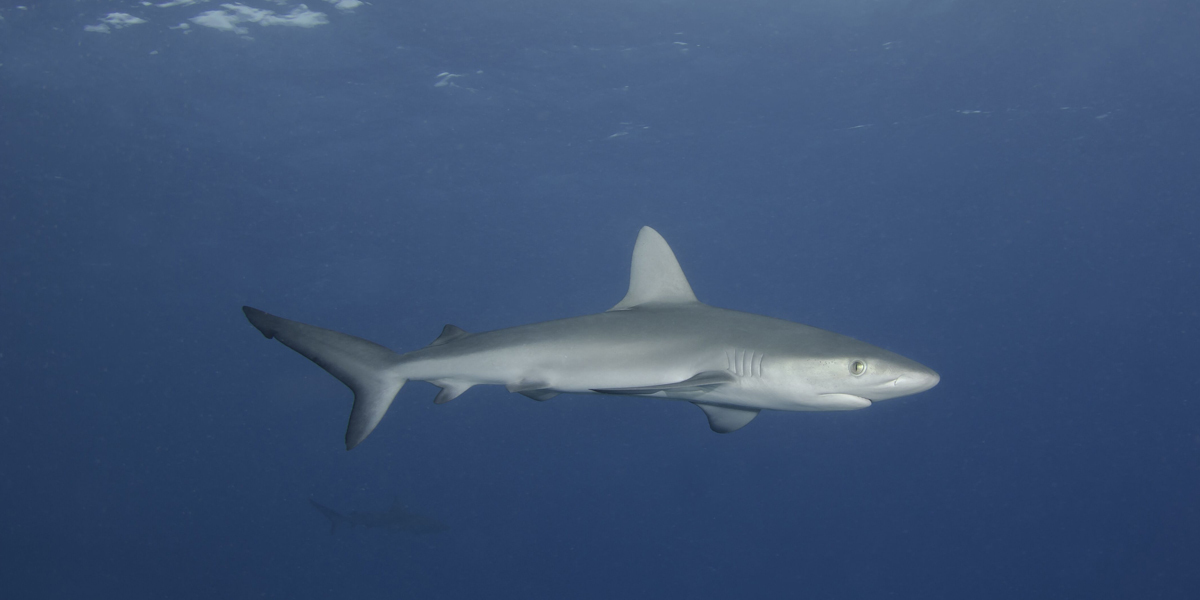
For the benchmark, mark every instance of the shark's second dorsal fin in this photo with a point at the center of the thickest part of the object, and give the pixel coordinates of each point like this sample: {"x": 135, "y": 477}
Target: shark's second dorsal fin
{"x": 655, "y": 276}
{"x": 449, "y": 334}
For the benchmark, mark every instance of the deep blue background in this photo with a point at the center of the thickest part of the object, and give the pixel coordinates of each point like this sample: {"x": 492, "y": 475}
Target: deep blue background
{"x": 1006, "y": 192}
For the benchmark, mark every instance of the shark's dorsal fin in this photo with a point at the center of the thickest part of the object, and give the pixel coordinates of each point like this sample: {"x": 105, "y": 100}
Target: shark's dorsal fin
{"x": 655, "y": 276}
{"x": 449, "y": 334}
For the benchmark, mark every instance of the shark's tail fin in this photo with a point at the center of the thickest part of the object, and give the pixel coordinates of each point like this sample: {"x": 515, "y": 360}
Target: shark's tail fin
{"x": 334, "y": 516}
{"x": 370, "y": 370}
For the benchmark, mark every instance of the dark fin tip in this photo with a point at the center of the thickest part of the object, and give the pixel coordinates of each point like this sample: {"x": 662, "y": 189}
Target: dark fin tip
{"x": 258, "y": 319}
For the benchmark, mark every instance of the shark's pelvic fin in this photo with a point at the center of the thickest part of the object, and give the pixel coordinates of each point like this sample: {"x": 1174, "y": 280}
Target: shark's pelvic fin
{"x": 724, "y": 419}
{"x": 370, "y": 370}
{"x": 655, "y": 276}
{"x": 539, "y": 395}
{"x": 449, "y": 334}
{"x": 700, "y": 382}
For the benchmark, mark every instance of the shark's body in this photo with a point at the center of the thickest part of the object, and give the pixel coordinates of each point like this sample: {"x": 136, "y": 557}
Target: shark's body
{"x": 658, "y": 341}
{"x": 395, "y": 518}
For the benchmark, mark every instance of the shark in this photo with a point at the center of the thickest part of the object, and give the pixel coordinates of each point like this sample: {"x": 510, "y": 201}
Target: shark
{"x": 396, "y": 518}
{"x": 659, "y": 341}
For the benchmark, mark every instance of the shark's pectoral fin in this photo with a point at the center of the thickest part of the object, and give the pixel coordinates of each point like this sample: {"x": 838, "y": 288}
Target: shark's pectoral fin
{"x": 724, "y": 419}
{"x": 449, "y": 334}
{"x": 541, "y": 395}
{"x": 700, "y": 382}
{"x": 839, "y": 402}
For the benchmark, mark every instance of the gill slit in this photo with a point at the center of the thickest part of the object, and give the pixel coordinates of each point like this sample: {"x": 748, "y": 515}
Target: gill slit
{"x": 744, "y": 363}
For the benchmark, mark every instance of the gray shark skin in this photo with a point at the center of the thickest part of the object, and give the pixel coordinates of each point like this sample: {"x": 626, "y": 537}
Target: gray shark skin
{"x": 395, "y": 518}
{"x": 659, "y": 341}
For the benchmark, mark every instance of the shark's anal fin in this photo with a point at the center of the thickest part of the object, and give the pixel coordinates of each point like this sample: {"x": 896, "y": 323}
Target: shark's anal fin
{"x": 655, "y": 276}
{"x": 449, "y": 334}
{"x": 700, "y": 382}
{"x": 724, "y": 419}
{"x": 541, "y": 395}
{"x": 450, "y": 390}
{"x": 538, "y": 390}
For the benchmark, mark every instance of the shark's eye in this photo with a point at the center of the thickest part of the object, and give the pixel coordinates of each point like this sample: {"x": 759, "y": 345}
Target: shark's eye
{"x": 857, "y": 367}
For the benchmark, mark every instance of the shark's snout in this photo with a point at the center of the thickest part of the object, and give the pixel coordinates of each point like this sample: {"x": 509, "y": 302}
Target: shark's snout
{"x": 917, "y": 381}
{"x": 910, "y": 382}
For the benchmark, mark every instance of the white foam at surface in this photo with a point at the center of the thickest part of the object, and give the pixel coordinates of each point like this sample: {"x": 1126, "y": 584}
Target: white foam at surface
{"x": 114, "y": 21}
{"x": 233, "y": 15}
{"x": 346, "y": 5}
{"x": 247, "y": 13}
{"x": 299, "y": 17}
{"x": 219, "y": 20}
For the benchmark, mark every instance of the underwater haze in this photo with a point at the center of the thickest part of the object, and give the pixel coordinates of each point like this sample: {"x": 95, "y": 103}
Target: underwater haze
{"x": 1003, "y": 191}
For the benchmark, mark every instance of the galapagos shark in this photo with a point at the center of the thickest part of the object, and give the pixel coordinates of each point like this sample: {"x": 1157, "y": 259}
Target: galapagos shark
{"x": 659, "y": 341}
{"x": 396, "y": 518}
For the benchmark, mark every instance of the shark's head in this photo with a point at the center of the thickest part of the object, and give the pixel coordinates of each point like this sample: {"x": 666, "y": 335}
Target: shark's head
{"x": 848, "y": 374}
{"x": 876, "y": 374}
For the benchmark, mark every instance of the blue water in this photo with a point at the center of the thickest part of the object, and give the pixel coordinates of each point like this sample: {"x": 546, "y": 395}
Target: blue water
{"x": 1005, "y": 192}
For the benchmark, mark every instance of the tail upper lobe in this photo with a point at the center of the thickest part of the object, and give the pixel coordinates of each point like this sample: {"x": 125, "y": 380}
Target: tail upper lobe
{"x": 367, "y": 368}
{"x": 334, "y": 516}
